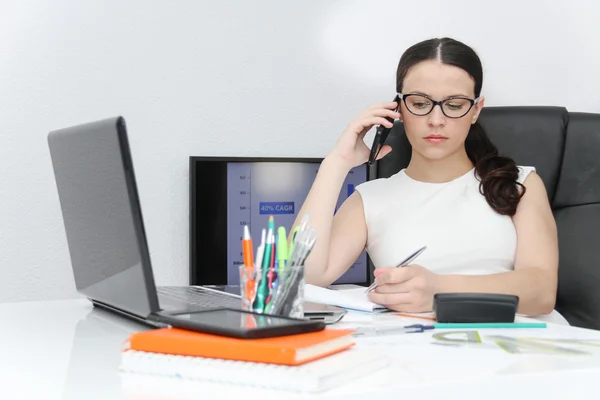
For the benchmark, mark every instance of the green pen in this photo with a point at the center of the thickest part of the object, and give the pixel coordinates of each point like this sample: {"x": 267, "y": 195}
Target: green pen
{"x": 263, "y": 288}
{"x": 271, "y": 224}
{"x": 489, "y": 325}
{"x": 282, "y": 247}
{"x": 291, "y": 250}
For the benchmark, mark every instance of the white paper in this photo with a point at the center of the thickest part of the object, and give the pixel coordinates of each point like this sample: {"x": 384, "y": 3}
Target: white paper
{"x": 353, "y": 299}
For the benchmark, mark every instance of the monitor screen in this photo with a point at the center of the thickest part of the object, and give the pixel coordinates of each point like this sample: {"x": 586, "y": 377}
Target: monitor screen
{"x": 228, "y": 193}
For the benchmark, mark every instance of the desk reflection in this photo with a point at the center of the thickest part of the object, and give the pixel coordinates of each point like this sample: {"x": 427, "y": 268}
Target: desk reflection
{"x": 96, "y": 354}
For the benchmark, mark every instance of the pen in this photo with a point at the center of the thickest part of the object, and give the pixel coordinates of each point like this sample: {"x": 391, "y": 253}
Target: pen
{"x": 393, "y": 330}
{"x": 247, "y": 248}
{"x": 489, "y": 325}
{"x": 380, "y": 331}
{"x": 416, "y": 316}
{"x": 257, "y": 265}
{"x": 271, "y": 274}
{"x": 282, "y": 249}
{"x": 405, "y": 262}
{"x": 263, "y": 288}
{"x": 276, "y": 280}
{"x": 261, "y": 249}
{"x": 248, "y": 263}
{"x": 271, "y": 224}
{"x": 292, "y": 241}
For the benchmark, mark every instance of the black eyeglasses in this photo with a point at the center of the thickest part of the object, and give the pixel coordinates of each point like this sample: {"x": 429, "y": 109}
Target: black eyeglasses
{"x": 453, "y": 107}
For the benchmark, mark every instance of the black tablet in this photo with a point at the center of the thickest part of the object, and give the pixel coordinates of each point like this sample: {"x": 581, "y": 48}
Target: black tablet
{"x": 241, "y": 324}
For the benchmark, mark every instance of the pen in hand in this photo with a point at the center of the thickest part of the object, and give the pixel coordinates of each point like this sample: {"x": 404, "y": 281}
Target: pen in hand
{"x": 403, "y": 263}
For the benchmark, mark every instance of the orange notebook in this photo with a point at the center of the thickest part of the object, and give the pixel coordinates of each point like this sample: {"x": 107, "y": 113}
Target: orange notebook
{"x": 284, "y": 350}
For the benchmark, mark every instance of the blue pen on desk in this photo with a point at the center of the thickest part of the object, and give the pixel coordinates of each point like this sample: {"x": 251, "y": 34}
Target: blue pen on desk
{"x": 390, "y": 330}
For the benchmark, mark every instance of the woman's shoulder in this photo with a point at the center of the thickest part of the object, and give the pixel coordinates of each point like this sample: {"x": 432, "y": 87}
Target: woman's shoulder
{"x": 374, "y": 193}
{"x": 377, "y": 194}
{"x": 378, "y": 184}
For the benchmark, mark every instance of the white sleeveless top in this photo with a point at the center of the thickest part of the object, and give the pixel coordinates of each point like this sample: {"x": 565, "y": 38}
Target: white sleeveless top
{"x": 463, "y": 234}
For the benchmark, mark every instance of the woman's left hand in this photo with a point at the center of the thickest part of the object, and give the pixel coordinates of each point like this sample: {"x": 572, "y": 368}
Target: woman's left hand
{"x": 406, "y": 289}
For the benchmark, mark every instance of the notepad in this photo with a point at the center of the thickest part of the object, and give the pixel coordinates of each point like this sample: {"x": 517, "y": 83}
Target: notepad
{"x": 315, "y": 376}
{"x": 353, "y": 299}
{"x": 285, "y": 350}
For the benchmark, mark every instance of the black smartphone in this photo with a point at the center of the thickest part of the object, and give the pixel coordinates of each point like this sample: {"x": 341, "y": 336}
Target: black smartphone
{"x": 240, "y": 323}
{"x": 323, "y": 312}
{"x": 381, "y": 135}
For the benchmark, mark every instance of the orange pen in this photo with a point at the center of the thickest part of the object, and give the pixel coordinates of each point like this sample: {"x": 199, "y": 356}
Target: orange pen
{"x": 248, "y": 263}
{"x": 247, "y": 248}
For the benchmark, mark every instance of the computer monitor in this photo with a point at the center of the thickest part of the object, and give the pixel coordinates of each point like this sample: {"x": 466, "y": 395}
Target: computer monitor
{"x": 227, "y": 193}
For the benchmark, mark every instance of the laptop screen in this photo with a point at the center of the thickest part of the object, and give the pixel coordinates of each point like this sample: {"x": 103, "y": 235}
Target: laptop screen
{"x": 102, "y": 217}
{"x": 227, "y": 193}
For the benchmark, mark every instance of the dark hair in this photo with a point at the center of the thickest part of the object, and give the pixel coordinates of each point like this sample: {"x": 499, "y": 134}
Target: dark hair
{"x": 498, "y": 174}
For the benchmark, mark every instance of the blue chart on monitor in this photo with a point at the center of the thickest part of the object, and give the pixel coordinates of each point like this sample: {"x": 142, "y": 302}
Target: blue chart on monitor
{"x": 260, "y": 189}
{"x": 276, "y": 208}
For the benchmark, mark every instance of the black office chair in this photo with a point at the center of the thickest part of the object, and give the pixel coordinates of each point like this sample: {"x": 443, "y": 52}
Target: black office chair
{"x": 565, "y": 149}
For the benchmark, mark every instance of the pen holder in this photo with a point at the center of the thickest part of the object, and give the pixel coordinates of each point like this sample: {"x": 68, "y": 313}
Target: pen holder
{"x": 289, "y": 294}
{"x": 273, "y": 292}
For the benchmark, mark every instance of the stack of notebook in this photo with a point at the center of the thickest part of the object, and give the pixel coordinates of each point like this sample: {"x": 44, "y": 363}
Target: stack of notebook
{"x": 309, "y": 362}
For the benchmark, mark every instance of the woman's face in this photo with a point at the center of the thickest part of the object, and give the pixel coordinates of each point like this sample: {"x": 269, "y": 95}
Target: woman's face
{"x": 436, "y": 136}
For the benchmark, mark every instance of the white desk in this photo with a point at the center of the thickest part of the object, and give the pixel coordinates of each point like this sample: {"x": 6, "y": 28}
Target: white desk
{"x": 68, "y": 350}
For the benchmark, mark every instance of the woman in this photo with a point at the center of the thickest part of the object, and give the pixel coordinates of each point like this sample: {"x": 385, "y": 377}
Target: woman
{"x": 486, "y": 222}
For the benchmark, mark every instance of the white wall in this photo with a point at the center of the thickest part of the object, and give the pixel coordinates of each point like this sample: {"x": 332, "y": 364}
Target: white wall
{"x": 260, "y": 78}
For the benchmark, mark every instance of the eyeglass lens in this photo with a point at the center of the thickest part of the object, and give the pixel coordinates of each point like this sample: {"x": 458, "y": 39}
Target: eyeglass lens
{"x": 453, "y": 108}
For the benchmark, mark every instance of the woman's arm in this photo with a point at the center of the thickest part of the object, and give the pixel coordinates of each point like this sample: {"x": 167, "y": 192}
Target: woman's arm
{"x": 535, "y": 277}
{"x": 348, "y": 240}
{"x": 340, "y": 238}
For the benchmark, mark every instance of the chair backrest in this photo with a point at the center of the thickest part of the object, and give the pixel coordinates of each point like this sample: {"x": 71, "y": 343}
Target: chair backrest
{"x": 565, "y": 149}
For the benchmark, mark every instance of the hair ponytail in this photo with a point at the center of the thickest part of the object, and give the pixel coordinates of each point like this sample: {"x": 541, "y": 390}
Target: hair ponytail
{"x": 498, "y": 174}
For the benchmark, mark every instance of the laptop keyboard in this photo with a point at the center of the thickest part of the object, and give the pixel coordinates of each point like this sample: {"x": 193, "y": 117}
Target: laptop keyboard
{"x": 199, "y": 297}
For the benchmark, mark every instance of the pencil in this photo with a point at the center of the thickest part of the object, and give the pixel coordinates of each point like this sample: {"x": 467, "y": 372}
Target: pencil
{"x": 416, "y": 316}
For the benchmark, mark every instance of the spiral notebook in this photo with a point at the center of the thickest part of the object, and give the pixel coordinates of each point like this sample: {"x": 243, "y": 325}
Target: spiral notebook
{"x": 315, "y": 376}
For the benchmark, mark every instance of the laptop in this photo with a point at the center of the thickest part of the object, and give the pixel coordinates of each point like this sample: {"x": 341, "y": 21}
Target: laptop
{"x": 102, "y": 216}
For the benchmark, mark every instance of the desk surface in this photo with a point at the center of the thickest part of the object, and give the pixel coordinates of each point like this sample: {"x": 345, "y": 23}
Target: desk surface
{"x": 69, "y": 350}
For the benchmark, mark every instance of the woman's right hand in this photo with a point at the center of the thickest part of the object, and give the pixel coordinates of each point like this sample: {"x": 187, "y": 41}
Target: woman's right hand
{"x": 350, "y": 148}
